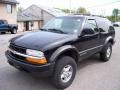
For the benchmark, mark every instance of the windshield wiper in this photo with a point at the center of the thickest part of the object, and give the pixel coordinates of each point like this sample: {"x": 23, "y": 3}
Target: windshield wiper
{"x": 43, "y": 29}
{"x": 56, "y": 30}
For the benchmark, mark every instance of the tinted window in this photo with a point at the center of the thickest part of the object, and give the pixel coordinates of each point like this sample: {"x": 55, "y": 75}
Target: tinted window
{"x": 91, "y": 24}
{"x": 104, "y": 24}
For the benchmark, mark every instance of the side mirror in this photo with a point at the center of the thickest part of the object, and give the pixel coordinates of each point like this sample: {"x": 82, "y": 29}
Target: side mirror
{"x": 101, "y": 30}
{"x": 87, "y": 31}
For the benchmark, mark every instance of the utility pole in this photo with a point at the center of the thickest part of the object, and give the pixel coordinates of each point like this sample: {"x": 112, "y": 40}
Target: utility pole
{"x": 70, "y": 6}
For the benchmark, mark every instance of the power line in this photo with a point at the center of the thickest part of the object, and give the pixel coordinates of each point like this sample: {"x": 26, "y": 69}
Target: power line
{"x": 104, "y": 4}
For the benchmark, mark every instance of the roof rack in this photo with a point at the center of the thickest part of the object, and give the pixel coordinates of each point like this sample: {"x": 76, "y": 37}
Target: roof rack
{"x": 87, "y": 15}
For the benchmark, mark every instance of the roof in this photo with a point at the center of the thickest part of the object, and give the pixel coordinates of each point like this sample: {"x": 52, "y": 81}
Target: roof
{"x": 54, "y": 11}
{"x": 9, "y": 1}
{"x": 34, "y": 12}
{"x": 30, "y": 14}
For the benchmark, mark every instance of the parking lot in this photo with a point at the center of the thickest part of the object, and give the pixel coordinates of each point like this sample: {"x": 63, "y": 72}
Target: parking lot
{"x": 92, "y": 74}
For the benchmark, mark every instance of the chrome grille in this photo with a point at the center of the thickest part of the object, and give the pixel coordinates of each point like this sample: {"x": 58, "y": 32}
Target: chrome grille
{"x": 17, "y": 48}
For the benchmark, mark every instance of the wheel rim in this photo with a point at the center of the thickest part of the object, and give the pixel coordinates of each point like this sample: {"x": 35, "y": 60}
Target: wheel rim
{"x": 108, "y": 52}
{"x": 66, "y": 73}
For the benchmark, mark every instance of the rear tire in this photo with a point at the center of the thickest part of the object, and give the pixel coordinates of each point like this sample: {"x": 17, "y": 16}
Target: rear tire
{"x": 65, "y": 71}
{"x": 14, "y": 31}
{"x": 106, "y": 53}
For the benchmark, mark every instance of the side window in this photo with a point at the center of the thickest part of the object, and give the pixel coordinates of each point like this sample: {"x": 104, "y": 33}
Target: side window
{"x": 104, "y": 24}
{"x": 91, "y": 24}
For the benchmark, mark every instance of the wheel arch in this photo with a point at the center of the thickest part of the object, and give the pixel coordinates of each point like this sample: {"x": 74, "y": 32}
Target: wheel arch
{"x": 67, "y": 50}
{"x": 109, "y": 40}
{"x": 14, "y": 28}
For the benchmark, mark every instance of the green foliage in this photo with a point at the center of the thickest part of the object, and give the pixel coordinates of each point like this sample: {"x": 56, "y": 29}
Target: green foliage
{"x": 81, "y": 10}
{"x": 113, "y": 19}
{"x": 20, "y": 9}
{"x": 66, "y": 10}
{"x": 115, "y": 12}
{"x": 115, "y": 15}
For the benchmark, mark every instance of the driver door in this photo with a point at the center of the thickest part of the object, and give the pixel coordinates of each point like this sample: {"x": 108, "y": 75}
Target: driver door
{"x": 88, "y": 42}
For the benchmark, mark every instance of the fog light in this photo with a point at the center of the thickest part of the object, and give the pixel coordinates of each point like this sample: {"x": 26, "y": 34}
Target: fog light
{"x": 36, "y": 61}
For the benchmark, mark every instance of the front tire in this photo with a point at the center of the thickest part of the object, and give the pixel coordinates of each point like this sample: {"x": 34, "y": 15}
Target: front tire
{"x": 65, "y": 71}
{"x": 106, "y": 53}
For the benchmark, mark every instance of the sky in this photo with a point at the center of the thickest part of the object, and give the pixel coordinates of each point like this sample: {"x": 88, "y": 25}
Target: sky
{"x": 96, "y": 7}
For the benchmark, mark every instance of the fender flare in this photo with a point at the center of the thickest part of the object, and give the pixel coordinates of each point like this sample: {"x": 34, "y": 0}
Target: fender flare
{"x": 108, "y": 39}
{"x": 61, "y": 50}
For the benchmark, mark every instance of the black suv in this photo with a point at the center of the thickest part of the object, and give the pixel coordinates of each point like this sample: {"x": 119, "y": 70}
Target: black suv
{"x": 56, "y": 49}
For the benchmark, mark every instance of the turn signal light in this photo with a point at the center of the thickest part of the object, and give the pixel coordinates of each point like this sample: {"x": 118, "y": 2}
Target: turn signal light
{"x": 36, "y": 61}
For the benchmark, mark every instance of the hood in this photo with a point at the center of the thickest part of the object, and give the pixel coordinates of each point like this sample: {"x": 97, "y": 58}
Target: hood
{"x": 42, "y": 40}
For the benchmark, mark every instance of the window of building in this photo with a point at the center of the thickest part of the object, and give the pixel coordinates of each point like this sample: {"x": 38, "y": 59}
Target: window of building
{"x": 9, "y": 8}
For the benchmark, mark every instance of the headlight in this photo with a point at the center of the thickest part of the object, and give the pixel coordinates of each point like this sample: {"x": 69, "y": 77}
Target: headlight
{"x": 34, "y": 53}
{"x": 35, "y": 57}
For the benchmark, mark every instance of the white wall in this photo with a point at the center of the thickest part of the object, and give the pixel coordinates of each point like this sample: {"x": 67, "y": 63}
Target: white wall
{"x": 35, "y": 27}
{"x": 21, "y": 26}
{"x": 10, "y": 17}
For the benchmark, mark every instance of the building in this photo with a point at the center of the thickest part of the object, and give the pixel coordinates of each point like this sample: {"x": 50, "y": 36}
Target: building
{"x": 35, "y": 16}
{"x": 8, "y": 11}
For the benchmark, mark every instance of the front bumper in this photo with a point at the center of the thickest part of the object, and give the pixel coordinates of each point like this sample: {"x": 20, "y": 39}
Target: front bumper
{"x": 41, "y": 70}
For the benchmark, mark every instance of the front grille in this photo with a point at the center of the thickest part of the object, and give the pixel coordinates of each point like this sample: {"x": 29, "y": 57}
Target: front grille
{"x": 17, "y": 48}
{"x": 17, "y": 56}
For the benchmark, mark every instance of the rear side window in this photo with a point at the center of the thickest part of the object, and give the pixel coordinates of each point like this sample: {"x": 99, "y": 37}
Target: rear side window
{"x": 104, "y": 24}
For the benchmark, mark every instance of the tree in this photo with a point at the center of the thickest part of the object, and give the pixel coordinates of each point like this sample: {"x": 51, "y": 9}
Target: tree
{"x": 81, "y": 10}
{"x": 115, "y": 13}
{"x": 66, "y": 10}
{"x": 111, "y": 18}
{"x": 20, "y": 9}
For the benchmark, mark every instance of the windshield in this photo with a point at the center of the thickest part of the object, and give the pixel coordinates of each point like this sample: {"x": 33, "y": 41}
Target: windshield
{"x": 64, "y": 24}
